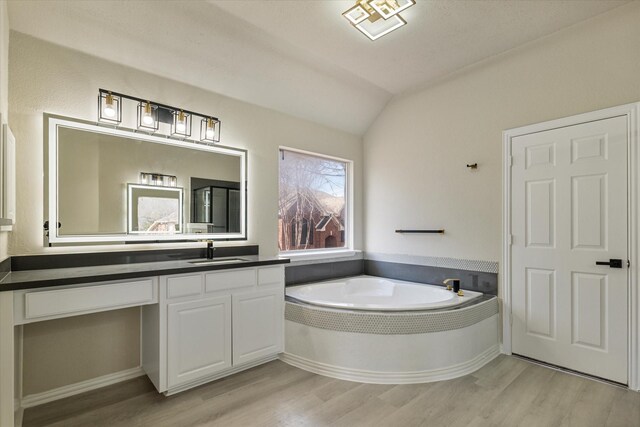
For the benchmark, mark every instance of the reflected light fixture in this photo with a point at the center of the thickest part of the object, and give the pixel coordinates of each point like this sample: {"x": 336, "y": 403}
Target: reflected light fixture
{"x": 153, "y": 117}
{"x": 376, "y": 18}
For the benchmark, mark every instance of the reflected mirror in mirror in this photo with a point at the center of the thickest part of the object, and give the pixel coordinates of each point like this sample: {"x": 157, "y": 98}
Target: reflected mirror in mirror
{"x": 154, "y": 210}
{"x": 102, "y": 193}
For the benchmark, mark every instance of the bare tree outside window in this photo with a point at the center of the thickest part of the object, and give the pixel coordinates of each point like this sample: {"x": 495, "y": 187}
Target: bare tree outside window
{"x": 312, "y": 204}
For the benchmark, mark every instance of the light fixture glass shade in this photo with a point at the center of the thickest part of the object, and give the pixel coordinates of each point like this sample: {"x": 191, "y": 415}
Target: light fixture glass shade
{"x": 181, "y": 125}
{"x": 210, "y": 130}
{"x": 377, "y": 29}
{"x": 356, "y": 14}
{"x": 388, "y": 8}
{"x": 147, "y": 116}
{"x": 109, "y": 109}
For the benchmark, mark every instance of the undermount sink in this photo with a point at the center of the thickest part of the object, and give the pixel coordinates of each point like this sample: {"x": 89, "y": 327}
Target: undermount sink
{"x": 217, "y": 261}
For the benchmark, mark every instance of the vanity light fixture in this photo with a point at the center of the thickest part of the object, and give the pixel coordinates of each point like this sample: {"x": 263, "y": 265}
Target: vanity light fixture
{"x": 375, "y": 18}
{"x": 181, "y": 124}
{"x": 109, "y": 110}
{"x": 210, "y": 130}
{"x": 147, "y": 116}
{"x": 157, "y": 118}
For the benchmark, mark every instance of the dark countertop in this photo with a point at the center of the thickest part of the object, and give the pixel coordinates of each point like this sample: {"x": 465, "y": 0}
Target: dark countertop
{"x": 30, "y": 279}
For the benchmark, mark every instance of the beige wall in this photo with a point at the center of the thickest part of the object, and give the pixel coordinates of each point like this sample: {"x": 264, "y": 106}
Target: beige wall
{"x": 66, "y": 351}
{"x": 49, "y": 78}
{"x": 416, "y": 152}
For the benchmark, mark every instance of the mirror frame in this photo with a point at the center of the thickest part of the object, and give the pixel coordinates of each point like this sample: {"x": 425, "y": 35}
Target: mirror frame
{"x": 51, "y": 126}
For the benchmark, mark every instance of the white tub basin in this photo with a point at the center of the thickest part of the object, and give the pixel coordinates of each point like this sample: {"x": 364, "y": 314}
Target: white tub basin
{"x": 373, "y": 293}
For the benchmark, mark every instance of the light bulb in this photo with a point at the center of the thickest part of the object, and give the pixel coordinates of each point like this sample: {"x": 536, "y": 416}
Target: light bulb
{"x": 181, "y": 123}
{"x": 210, "y": 130}
{"x": 147, "y": 118}
{"x": 109, "y": 110}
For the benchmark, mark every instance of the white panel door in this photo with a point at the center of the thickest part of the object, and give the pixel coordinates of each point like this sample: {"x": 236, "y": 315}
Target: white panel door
{"x": 258, "y": 322}
{"x": 569, "y": 211}
{"x": 198, "y": 339}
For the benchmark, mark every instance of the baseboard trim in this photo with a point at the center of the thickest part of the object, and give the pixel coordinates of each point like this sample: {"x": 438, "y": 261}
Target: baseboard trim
{"x": 373, "y": 377}
{"x": 222, "y": 374}
{"x": 81, "y": 387}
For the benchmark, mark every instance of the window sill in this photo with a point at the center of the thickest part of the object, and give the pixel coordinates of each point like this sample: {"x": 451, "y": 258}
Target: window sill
{"x": 320, "y": 255}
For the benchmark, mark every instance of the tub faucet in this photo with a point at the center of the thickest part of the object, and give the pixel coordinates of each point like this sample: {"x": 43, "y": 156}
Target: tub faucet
{"x": 456, "y": 286}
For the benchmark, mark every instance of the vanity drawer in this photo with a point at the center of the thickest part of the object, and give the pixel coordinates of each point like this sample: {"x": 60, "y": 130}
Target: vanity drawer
{"x": 184, "y": 286}
{"x": 230, "y": 279}
{"x": 88, "y": 298}
{"x": 270, "y": 276}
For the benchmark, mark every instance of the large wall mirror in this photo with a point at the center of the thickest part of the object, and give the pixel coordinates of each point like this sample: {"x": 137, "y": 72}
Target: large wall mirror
{"x": 117, "y": 185}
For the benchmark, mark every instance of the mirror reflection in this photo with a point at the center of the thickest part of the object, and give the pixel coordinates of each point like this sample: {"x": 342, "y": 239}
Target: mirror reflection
{"x": 153, "y": 209}
{"x": 111, "y": 185}
{"x": 216, "y": 205}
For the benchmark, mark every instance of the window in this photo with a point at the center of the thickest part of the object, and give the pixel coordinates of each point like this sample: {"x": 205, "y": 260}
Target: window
{"x": 314, "y": 202}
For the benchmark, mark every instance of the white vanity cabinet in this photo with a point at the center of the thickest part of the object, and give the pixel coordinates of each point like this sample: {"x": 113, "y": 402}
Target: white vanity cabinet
{"x": 211, "y": 324}
{"x": 258, "y": 322}
{"x": 198, "y": 339}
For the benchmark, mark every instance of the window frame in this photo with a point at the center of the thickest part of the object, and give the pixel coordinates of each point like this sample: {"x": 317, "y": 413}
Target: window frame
{"x": 348, "y": 248}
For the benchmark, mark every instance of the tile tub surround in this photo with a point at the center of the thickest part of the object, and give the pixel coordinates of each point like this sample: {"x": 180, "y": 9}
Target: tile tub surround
{"x": 391, "y": 348}
{"x": 391, "y": 323}
{"x": 307, "y": 273}
{"x": 478, "y": 281}
{"x": 480, "y": 276}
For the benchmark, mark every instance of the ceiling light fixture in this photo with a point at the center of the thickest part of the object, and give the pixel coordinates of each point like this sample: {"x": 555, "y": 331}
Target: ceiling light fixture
{"x": 375, "y": 18}
{"x": 157, "y": 118}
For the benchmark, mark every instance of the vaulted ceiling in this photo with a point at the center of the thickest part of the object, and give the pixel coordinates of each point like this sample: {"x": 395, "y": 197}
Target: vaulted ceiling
{"x": 298, "y": 57}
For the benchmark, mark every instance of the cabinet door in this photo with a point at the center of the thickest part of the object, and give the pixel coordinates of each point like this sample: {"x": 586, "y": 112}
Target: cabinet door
{"x": 258, "y": 321}
{"x": 198, "y": 339}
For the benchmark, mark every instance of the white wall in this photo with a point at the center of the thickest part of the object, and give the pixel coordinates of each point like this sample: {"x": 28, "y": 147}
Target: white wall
{"x": 416, "y": 152}
{"x": 49, "y": 78}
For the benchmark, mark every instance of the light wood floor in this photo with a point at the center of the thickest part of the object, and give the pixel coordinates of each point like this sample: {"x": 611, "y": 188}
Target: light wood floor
{"x": 506, "y": 392}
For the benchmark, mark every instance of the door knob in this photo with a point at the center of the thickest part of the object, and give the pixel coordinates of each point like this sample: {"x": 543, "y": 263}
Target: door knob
{"x": 612, "y": 263}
